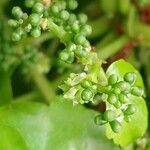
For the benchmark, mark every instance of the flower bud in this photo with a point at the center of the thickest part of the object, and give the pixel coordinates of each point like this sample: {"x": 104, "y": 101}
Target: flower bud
{"x": 38, "y": 8}
{"x": 112, "y": 79}
{"x": 109, "y": 115}
{"x": 115, "y": 126}
{"x": 17, "y": 12}
{"x": 131, "y": 109}
{"x": 112, "y": 98}
{"x": 34, "y": 19}
{"x": 124, "y": 87}
{"x": 72, "y": 4}
{"x": 130, "y": 77}
{"x": 137, "y": 91}
{"x": 87, "y": 95}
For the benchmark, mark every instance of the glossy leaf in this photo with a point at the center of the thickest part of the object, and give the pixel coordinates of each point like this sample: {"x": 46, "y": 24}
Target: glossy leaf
{"x": 138, "y": 125}
{"x": 34, "y": 126}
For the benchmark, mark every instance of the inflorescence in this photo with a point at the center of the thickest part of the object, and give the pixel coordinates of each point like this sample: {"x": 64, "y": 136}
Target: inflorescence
{"x": 91, "y": 85}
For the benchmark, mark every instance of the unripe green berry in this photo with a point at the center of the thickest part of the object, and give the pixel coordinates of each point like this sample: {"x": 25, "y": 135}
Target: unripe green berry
{"x": 61, "y": 5}
{"x": 17, "y": 12}
{"x": 64, "y": 56}
{"x": 55, "y": 10}
{"x": 131, "y": 109}
{"x": 82, "y": 18}
{"x": 123, "y": 98}
{"x": 80, "y": 39}
{"x": 72, "y": 19}
{"x": 29, "y": 3}
{"x": 112, "y": 79}
{"x": 112, "y": 98}
{"x": 115, "y": 126}
{"x": 36, "y": 32}
{"x": 34, "y": 19}
{"x": 13, "y": 23}
{"x": 99, "y": 120}
{"x": 86, "y": 30}
{"x": 109, "y": 115}
{"x": 64, "y": 15}
{"x": 75, "y": 27}
{"x": 87, "y": 94}
{"x": 16, "y": 37}
{"x": 137, "y": 91}
{"x": 67, "y": 56}
{"x": 124, "y": 87}
{"x": 130, "y": 77}
{"x": 38, "y": 8}
{"x": 72, "y": 4}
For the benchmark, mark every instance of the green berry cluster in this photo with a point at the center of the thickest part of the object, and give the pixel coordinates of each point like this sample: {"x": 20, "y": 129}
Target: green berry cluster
{"x": 119, "y": 107}
{"x": 75, "y": 25}
{"x": 24, "y": 23}
{"x": 91, "y": 85}
{"x": 61, "y": 15}
{"x": 80, "y": 89}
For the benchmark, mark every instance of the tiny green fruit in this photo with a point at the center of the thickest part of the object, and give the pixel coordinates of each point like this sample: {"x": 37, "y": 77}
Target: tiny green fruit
{"x": 34, "y": 19}
{"x": 36, "y": 32}
{"x": 17, "y": 12}
{"x": 115, "y": 126}
{"x": 124, "y": 87}
{"x": 38, "y": 8}
{"x": 72, "y": 4}
{"x": 112, "y": 98}
{"x": 130, "y": 77}
{"x": 87, "y": 94}
{"x": 109, "y": 115}
{"x": 131, "y": 109}
{"x": 112, "y": 79}
{"x": 137, "y": 91}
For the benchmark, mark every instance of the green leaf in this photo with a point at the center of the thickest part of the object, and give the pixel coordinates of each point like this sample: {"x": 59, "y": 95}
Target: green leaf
{"x": 28, "y": 122}
{"x": 11, "y": 139}
{"x": 138, "y": 125}
{"x": 75, "y": 129}
{"x": 5, "y": 88}
{"x": 35, "y": 126}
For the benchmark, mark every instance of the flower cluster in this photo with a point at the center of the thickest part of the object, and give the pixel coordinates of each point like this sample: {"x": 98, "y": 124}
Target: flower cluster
{"x": 116, "y": 94}
{"x": 92, "y": 85}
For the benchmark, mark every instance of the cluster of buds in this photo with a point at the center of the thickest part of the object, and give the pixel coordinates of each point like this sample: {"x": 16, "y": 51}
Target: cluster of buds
{"x": 115, "y": 94}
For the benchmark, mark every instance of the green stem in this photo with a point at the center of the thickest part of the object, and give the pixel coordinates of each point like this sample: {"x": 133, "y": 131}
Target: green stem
{"x": 43, "y": 86}
{"x": 59, "y": 32}
{"x": 113, "y": 47}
